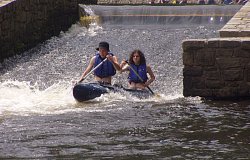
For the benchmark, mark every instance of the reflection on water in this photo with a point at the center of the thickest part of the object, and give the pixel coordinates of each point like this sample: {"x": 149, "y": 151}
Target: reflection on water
{"x": 40, "y": 119}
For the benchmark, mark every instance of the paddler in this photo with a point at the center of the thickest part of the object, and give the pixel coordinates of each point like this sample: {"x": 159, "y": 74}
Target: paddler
{"x": 107, "y": 69}
{"x": 138, "y": 70}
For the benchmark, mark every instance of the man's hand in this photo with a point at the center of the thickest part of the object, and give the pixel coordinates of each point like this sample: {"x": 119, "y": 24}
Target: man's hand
{"x": 110, "y": 58}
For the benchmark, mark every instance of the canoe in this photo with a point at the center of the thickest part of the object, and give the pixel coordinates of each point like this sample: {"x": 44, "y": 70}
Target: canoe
{"x": 88, "y": 91}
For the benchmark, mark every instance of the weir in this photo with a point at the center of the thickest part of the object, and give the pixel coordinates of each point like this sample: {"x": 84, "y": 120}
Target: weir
{"x": 164, "y": 15}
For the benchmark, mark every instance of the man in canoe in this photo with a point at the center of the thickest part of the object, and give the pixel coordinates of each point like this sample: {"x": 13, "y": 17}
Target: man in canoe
{"x": 138, "y": 70}
{"x": 105, "y": 64}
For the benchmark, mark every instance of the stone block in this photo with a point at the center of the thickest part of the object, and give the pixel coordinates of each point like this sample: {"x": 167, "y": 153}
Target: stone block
{"x": 230, "y": 43}
{"x": 202, "y": 92}
{"x": 213, "y": 43}
{"x": 187, "y": 82}
{"x": 195, "y": 71}
{"x": 5, "y": 25}
{"x": 231, "y": 84}
{"x": 244, "y": 33}
{"x": 205, "y": 57}
{"x": 240, "y": 15}
{"x": 214, "y": 84}
{"x": 243, "y": 92}
{"x": 210, "y": 68}
{"x": 22, "y": 16}
{"x": 232, "y": 75}
{"x": 224, "y": 52}
{"x": 229, "y": 33}
{"x": 1, "y": 17}
{"x": 193, "y": 44}
{"x": 235, "y": 20}
{"x": 228, "y": 63}
{"x": 242, "y": 53}
{"x": 228, "y": 92}
{"x": 188, "y": 58}
{"x": 198, "y": 83}
{"x": 248, "y": 74}
{"x": 212, "y": 75}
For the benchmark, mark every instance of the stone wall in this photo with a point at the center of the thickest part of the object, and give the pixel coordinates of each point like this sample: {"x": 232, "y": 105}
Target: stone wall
{"x": 25, "y": 23}
{"x": 219, "y": 68}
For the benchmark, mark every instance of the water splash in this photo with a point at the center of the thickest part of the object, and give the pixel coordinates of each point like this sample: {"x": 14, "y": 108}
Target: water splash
{"x": 22, "y": 98}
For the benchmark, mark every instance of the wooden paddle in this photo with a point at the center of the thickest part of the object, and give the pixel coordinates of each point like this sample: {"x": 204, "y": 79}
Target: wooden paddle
{"x": 92, "y": 70}
{"x": 139, "y": 77}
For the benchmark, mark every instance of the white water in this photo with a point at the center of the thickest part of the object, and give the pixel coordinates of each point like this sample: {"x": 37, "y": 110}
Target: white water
{"x": 40, "y": 80}
{"x": 22, "y": 98}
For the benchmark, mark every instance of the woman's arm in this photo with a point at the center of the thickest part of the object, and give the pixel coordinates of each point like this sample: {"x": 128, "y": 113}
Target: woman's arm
{"x": 124, "y": 66}
{"x": 152, "y": 76}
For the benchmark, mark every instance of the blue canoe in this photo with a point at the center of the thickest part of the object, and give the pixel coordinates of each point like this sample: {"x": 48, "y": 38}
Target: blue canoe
{"x": 87, "y": 91}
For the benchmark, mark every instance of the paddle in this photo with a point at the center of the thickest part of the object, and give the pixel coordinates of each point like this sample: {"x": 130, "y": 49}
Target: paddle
{"x": 92, "y": 70}
{"x": 139, "y": 77}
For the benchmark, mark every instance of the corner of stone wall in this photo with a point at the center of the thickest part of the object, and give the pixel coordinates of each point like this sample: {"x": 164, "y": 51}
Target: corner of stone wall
{"x": 216, "y": 68}
{"x": 219, "y": 68}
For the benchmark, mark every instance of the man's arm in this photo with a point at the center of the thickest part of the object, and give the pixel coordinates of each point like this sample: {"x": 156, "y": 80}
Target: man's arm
{"x": 88, "y": 69}
{"x": 114, "y": 61}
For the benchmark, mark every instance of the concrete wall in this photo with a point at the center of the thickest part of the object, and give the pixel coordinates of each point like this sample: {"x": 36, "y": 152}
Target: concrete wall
{"x": 117, "y": 2}
{"x": 25, "y": 23}
{"x": 218, "y": 68}
{"x": 239, "y": 25}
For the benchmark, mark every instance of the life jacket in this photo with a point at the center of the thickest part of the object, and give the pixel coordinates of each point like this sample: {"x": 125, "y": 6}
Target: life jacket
{"x": 106, "y": 69}
{"x": 142, "y": 72}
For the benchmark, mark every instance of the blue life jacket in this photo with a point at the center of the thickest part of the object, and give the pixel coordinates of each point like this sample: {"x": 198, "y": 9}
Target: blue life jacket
{"x": 142, "y": 72}
{"x": 106, "y": 69}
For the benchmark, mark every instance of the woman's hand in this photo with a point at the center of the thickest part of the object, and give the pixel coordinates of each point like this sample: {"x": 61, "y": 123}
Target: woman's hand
{"x": 123, "y": 63}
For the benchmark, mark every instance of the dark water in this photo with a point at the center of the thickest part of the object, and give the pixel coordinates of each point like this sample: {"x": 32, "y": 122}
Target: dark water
{"x": 41, "y": 120}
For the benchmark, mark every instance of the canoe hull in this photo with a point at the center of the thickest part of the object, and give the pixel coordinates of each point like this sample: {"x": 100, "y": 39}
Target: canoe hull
{"x": 87, "y": 91}
{"x": 84, "y": 92}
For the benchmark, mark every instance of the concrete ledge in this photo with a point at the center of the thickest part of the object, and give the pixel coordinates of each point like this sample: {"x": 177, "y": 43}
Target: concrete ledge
{"x": 239, "y": 25}
{"x": 5, "y": 2}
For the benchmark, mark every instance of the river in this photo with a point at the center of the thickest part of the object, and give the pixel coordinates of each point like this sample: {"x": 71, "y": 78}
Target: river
{"x": 39, "y": 118}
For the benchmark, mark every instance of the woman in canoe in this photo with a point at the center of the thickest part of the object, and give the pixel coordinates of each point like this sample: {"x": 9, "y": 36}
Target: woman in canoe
{"x": 138, "y": 70}
{"x": 108, "y": 67}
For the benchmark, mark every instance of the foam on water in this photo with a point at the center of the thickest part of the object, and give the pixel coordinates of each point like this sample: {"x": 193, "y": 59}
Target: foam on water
{"x": 42, "y": 83}
{"x": 21, "y": 98}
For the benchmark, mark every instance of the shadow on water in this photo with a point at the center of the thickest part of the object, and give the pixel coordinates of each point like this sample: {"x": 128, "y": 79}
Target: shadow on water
{"x": 39, "y": 118}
